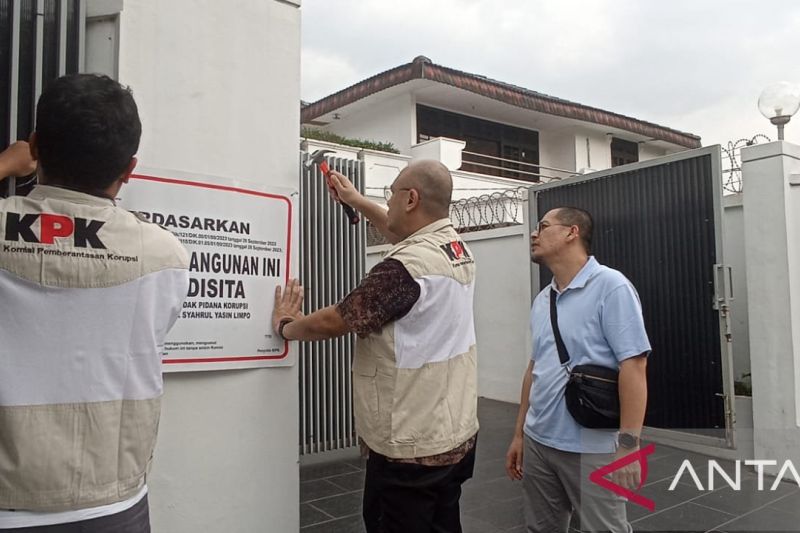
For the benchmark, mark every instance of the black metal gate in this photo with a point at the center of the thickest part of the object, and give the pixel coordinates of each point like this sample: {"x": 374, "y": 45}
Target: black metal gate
{"x": 40, "y": 40}
{"x": 659, "y": 223}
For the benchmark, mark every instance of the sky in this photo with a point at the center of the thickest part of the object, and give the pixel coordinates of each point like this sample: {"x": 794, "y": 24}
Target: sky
{"x": 697, "y": 66}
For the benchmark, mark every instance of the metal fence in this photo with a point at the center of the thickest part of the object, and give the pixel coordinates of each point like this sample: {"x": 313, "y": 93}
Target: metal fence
{"x": 331, "y": 265}
{"x": 487, "y": 211}
{"x": 732, "y": 162}
{"x": 40, "y": 40}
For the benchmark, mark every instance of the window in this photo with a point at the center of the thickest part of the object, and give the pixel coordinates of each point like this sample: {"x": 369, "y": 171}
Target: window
{"x": 623, "y": 152}
{"x": 500, "y": 148}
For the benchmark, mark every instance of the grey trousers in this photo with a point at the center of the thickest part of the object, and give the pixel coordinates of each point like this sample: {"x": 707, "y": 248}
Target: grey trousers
{"x": 133, "y": 520}
{"x": 555, "y": 483}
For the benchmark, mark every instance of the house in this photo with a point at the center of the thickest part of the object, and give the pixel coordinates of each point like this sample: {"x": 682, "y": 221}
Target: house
{"x": 509, "y": 131}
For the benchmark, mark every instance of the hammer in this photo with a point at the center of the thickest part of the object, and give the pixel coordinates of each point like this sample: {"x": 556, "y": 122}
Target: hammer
{"x": 317, "y": 157}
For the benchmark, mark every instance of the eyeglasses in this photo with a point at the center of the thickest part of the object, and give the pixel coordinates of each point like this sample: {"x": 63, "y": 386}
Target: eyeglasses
{"x": 542, "y": 225}
{"x": 388, "y": 192}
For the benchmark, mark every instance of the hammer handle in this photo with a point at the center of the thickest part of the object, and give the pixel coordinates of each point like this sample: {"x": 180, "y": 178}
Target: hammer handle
{"x": 351, "y": 214}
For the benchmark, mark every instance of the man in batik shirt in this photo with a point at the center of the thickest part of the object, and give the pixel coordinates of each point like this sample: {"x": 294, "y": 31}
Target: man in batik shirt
{"x": 415, "y": 369}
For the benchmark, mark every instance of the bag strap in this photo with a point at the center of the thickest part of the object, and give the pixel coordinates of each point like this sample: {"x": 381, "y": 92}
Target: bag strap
{"x": 563, "y": 354}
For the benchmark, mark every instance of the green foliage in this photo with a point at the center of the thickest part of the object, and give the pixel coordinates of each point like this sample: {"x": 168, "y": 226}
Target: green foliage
{"x": 309, "y": 133}
{"x": 743, "y": 386}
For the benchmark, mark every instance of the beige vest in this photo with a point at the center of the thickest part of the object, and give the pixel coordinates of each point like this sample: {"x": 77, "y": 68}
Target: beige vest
{"x": 415, "y": 382}
{"x": 87, "y": 294}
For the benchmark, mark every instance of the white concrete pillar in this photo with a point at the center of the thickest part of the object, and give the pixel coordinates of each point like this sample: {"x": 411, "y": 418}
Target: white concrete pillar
{"x": 448, "y": 151}
{"x": 771, "y": 182}
{"x": 218, "y": 89}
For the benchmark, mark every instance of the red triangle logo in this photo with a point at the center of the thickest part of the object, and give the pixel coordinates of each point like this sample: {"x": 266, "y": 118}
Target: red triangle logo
{"x": 599, "y": 477}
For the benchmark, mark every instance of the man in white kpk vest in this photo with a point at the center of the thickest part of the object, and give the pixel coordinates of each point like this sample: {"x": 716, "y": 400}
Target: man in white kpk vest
{"x": 415, "y": 370}
{"x": 88, "y": 292}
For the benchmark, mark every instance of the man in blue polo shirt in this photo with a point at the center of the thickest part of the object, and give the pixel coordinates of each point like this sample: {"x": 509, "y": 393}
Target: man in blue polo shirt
{"x": 600, "y": 321}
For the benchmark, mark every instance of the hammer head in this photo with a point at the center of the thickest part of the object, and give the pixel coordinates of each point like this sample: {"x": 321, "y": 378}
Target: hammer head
{"x": 317, "y": 157}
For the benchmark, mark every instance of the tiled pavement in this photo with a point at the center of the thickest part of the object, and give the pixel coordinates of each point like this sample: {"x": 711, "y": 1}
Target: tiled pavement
{"x": 330, "y": 493}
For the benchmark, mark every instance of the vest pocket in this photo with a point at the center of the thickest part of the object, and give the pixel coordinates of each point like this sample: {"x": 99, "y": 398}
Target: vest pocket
{"x": 364, "y": 367}
{"x": 421, "y": 411}
{"x": 365, "y": 392}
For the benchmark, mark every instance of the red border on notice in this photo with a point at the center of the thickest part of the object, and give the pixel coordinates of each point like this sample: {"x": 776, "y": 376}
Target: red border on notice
{"x": 288, "y": 262}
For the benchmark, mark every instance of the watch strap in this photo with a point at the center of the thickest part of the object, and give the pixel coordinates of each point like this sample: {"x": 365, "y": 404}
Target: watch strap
{"x": 282, "y": 324}
{"x": 628, "y": 440}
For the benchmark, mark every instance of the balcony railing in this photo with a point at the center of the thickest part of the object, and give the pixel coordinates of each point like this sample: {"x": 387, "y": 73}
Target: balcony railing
{"x": 512, "y": 168}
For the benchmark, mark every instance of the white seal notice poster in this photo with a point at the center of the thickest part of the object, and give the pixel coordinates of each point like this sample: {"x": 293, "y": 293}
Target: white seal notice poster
{"x": 239, "y": 239}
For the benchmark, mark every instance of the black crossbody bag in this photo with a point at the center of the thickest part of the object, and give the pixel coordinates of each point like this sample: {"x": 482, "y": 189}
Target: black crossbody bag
{"x": 592, "y": 392}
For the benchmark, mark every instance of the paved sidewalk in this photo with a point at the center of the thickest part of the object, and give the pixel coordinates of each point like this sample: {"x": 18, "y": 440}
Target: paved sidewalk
{"x": 330, "y": 493}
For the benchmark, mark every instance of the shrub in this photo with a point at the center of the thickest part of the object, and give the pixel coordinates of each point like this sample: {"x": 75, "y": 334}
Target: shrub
{"x": 327, "y": 136}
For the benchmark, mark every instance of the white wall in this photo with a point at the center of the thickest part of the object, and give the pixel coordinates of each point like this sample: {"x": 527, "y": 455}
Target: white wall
{"x": 502, "y": 307}
{"x": 204, "y": 76}
{"x": 734, "y": 249}
{"x": 598, "y": 154}
{"x": 101, "y": 52}
{"x": 381, "y": 169}
{"x": 557, "y": 150}
{"x": 375, "y": 255}
{"x": 647, "y": 151}
{"x": 448, "y": 151}
{"x": 392, "y": 120}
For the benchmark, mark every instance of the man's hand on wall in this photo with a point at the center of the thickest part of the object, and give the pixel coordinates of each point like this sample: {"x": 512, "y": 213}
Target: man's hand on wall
{"x": 288, "y": 303}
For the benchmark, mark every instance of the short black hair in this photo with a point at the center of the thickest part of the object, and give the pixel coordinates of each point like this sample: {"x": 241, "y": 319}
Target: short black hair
{"x": 575, "y": 216}
{"x": 87, "y": 130}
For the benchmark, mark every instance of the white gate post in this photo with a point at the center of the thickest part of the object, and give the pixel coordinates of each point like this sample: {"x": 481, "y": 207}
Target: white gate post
{"x": 771, "y": 183}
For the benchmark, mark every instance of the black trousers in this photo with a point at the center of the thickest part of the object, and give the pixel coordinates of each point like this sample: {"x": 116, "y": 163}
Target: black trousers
{"x": 133, "y": 520}
{"x": 404, "y": 498}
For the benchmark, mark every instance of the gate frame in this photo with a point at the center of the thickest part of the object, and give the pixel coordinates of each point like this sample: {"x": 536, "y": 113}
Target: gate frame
{"x": 722, "y": 286}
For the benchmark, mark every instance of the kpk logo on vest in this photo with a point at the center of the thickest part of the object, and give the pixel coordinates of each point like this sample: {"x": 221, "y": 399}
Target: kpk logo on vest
{"x": 51, "y": 226}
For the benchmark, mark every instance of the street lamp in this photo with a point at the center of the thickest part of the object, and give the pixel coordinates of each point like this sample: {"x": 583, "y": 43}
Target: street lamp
{"x": 779, "y": 102}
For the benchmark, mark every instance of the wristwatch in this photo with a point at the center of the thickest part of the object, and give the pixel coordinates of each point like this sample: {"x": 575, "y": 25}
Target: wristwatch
{"x": 628, "y": 440}
{"x": 282, "y": 324}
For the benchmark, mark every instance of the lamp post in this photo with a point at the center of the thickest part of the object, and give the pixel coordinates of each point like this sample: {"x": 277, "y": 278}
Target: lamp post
{"x": 778, "y": 102}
